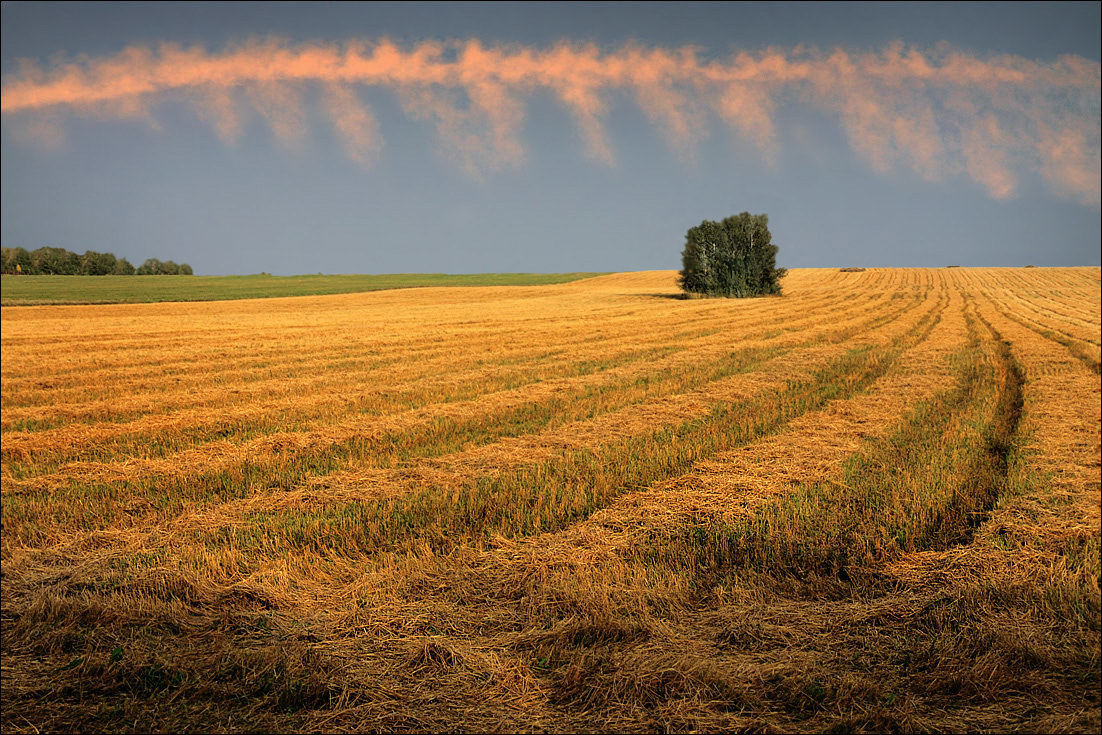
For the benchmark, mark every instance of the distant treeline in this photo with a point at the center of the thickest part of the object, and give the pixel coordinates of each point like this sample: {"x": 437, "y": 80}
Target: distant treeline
{"x": 61, "y": 262}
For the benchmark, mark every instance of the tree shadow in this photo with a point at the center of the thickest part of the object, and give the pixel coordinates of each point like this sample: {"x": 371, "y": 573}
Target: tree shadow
{"x": 675, "y": 296}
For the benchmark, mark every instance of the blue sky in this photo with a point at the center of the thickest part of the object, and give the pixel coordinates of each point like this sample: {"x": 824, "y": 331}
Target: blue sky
{"x": 154, "y": 175}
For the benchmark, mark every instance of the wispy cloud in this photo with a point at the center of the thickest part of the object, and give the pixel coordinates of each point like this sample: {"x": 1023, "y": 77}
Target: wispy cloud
{"x": 939, "y": 112}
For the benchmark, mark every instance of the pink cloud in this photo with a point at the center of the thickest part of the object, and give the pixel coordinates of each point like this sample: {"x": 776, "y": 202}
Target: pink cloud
{"x": 937, "y": 112}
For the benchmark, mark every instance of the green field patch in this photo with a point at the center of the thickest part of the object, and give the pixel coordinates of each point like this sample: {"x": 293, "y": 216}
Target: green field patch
{"x": 38, "y": 290}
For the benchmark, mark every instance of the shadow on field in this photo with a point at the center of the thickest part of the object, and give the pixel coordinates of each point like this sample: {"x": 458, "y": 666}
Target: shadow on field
{"x": 674, "y": 296}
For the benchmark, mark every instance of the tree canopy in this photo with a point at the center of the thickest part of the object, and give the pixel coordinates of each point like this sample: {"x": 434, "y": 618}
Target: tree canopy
{"x": 61, "y": 262}
{"x": 154, "y": 267}
{"x": 733, "y": 258}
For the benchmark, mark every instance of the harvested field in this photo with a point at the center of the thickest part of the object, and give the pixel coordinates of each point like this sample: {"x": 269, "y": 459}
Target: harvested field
{"x": 871, "y": 504}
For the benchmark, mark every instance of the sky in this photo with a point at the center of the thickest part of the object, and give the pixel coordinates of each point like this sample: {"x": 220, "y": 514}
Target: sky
{"x": 493, "y": 137}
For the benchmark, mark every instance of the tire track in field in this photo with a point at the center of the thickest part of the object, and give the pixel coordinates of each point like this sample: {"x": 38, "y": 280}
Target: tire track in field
{"x": 1029, "y": 303}
{"x": 1085, "y": 329}
{"x": 1059, "y": 445}
{"x": 812, "y": 448}
{"x": 892, "y": 501}
{"x": 1085, "y": 352}
{"x": 1037, "y": 309}
{"x": 1057, "y": 296}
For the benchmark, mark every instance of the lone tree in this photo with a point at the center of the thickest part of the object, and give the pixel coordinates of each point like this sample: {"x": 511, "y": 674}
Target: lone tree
{"x": 735, "y": 257}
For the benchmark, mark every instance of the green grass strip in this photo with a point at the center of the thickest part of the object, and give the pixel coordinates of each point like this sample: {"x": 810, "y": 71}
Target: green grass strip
{"x": 38, "y": 290}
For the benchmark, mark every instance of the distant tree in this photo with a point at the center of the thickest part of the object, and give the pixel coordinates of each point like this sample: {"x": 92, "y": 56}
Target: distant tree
{"x": 22, "y": 262}
{"x": 151, "y": 267}
{"x": 55, "y": 261}
{"x": 61, "y": 262}
{"x": 10, "y": 262}
{"x": 734, "y": 258}
{"x": 97, "y": 264}
{"x": 154, "y": 267}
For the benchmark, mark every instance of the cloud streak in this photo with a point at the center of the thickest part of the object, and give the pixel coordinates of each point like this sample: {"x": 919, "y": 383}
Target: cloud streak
{"x": 938, "y": 112}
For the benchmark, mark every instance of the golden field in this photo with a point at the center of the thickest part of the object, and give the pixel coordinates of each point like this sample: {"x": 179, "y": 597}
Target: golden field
{"x": 872, "y": 504}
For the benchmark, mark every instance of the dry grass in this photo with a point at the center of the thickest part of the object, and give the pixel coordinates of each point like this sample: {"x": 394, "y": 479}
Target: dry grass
{"x": 871, "y": 504}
